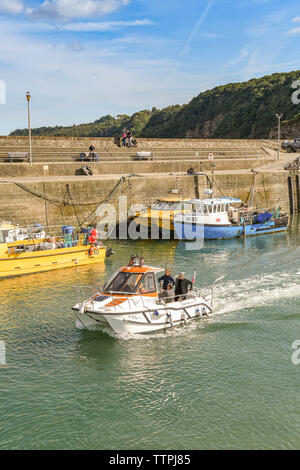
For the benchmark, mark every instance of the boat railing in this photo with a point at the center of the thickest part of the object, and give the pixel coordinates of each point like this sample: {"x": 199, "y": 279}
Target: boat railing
{"x": 34, "y": 232}
{"x": 85, "y": 293}
{"x": 90, "y": 294}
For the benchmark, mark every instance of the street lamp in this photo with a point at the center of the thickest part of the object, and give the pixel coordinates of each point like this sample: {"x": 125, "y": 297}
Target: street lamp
{"x": 28, "y": 96}
{"x": 279, "y": 116}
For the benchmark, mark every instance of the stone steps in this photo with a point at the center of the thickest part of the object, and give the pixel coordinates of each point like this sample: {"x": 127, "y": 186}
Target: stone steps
{"x": 128, "y": 153}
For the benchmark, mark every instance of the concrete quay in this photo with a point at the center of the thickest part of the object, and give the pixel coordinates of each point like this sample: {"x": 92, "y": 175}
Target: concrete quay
{"x": 51, "y": 193}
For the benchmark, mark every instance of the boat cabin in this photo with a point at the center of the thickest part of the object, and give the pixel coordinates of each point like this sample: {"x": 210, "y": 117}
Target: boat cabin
{"x": 10, "y": 233}
{"x": 214, "y": 210}
{"x": 134, "y": 279}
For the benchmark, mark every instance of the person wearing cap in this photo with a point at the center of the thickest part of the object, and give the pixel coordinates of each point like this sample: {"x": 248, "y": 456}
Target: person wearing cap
{"x": 182, "y": 287}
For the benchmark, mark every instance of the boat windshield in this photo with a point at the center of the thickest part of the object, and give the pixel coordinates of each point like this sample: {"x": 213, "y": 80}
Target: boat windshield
{"x": 132, "y": 283}
{"x": 124, "y": 282}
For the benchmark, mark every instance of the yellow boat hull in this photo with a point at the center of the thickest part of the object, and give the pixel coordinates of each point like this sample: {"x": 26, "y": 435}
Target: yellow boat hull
{"x": 163, "y": 221}
{"x": 16, "y": 264}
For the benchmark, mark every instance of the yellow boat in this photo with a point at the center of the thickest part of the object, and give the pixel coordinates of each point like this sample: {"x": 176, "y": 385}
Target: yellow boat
{"x": 161, "y": 214}
{"x": 29, "y": 255}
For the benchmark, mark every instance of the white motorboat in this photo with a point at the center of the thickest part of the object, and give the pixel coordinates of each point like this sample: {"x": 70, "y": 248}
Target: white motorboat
{"x": 130, "y": 303}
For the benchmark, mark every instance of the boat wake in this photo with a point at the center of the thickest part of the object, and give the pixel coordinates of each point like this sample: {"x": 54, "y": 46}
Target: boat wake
{"x": 257, "y": 291}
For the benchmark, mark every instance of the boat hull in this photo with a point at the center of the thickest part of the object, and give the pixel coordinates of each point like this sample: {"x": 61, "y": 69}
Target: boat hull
{"x": 16, "y": 264}
{"x": 155, "y": 223}
{"x": 148, "y": 321}
{"x": 189, "y": 231}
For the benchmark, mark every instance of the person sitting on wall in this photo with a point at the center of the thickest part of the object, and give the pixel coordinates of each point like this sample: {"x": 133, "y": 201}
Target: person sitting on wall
{"x": 124, "y": 137}
{"x": 94, "y": 156}
{"x": 129, "y": 138}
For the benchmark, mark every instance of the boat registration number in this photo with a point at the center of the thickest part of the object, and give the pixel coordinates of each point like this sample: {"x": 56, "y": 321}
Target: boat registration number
{"x": 191, "y": 219}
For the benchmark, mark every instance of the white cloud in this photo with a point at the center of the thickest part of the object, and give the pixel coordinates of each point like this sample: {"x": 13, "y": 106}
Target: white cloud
{"x": 293, "y": 31}
{"x": 72, "y": 9}
{"x": 71, "y": 87}
{"x": 244, "y": 53}
{"x": 11, "y": 7}
{"x": 102, "y": 26}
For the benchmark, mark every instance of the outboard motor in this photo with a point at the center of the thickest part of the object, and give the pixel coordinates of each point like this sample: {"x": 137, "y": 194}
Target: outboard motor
{"x": 109, "y": 252}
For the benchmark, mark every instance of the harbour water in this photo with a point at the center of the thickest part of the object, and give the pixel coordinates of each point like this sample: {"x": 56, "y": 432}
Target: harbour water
{"x": 227, "y": 382}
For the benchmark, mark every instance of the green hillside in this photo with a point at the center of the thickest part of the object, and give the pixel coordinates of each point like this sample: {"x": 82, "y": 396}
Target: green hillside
{"x": 236, "y": 110}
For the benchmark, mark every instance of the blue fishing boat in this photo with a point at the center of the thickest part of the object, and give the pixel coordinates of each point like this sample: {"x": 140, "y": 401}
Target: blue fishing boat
{"x": 220, "y": 218}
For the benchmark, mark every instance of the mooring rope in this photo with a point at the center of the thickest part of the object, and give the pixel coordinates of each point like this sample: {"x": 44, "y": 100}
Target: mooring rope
{"x": 64, "y": 202}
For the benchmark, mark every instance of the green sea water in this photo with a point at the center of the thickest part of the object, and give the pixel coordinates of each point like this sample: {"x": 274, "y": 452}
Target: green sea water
{"x": 227, "y": 382}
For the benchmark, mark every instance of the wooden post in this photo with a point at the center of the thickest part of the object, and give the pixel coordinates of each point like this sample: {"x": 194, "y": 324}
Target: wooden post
{"x": 46, "y": 207}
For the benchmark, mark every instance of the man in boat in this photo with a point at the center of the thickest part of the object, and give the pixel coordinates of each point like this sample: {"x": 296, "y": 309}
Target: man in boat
{"x": 182, "y": 287}
{"x": 166, "y": 279}
{"x": 167, "y": 295}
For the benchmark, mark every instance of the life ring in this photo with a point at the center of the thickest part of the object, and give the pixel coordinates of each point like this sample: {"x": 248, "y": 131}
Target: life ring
{"x": 91, "y": 250}
{"x": 97, "y": 252}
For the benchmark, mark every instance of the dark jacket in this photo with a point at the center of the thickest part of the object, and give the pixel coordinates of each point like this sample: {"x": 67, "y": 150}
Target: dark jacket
{"x": 166, "y": 281}
{"x": 182, "y": 286}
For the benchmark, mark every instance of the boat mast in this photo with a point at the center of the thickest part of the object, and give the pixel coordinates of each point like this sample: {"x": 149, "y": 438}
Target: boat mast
{"x": 253, "y": 189}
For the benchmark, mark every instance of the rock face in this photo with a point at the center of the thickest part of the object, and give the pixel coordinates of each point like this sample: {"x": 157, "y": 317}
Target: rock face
{"x": 205, "y": 129}
{"x": 289, "y": 129}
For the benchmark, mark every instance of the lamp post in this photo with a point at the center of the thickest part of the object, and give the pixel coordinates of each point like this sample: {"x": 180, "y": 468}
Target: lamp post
{"x": 28, "y": 96}
{"x": 279, "y": 116}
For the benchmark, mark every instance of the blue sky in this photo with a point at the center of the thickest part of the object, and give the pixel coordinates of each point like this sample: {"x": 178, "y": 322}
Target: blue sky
{"x": 82, "y": 59}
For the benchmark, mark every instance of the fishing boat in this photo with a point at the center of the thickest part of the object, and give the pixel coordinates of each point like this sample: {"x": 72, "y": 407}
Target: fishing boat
{"x": 159, "y": 217}
{"x": 220, "y": 218}
{"x": 130, "y": 303}
{"x": 24, "y": 251}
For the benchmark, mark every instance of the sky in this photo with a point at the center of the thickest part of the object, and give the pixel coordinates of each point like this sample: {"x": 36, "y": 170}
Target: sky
{"x": 82, "y": 59}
